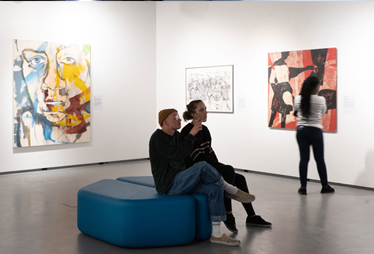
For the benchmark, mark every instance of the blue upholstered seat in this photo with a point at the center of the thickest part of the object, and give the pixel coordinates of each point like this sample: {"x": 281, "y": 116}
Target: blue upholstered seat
{"x": 203, "y": 221}
{"x": 140, "y": 180}
{"x": 132, "y": 215}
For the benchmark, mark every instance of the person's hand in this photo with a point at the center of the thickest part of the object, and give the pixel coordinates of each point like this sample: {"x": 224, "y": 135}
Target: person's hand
{"x": 196, "y": 128}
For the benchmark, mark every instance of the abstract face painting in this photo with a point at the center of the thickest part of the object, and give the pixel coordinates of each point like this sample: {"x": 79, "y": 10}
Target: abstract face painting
{"x": 286, "y": 74}
{"x": 51, "y": 93}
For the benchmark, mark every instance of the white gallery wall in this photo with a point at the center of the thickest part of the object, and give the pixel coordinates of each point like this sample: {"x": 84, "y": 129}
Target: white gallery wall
{"x": 197, "y": 34}
{"x": 123, "y": 75}
{"x": 139, "y": 52}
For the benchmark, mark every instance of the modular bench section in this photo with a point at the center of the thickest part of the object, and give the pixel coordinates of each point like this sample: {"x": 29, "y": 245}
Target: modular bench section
{"x": 135, "y": 215}
{"x": 203, "y": 221}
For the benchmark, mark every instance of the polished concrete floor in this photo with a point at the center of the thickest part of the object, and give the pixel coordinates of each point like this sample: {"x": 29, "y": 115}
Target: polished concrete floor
{"x": 38, "y": 215}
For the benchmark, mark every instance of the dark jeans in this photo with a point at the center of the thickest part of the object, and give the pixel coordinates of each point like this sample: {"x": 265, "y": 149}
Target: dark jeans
{"x": 238, "y": 180}
{"x": 307, "y": 136}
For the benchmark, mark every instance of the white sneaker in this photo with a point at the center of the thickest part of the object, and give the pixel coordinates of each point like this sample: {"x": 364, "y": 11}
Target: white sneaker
{"x": 224, "y": 239}
{"x": 241, "y": 196}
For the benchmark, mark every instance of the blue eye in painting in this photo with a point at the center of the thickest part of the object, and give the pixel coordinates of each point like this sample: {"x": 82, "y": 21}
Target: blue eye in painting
{"x": 68, "y": 60}
{"x": 36, "y": 62}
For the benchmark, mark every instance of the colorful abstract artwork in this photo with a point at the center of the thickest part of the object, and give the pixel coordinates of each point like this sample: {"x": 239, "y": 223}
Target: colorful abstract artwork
{"x": 52, "y": 91}
{"x": 286, "y": 73}
{"x": 213, "y": 85}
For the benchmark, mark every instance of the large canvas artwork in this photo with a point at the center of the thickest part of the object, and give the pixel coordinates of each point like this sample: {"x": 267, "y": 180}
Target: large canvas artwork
{"x": 51, "y": 93}
{"x": 213, "y": 85}
{"x": 286, "y": 73}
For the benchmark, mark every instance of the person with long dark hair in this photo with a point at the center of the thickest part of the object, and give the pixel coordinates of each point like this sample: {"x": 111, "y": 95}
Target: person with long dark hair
{"x": 309, "y": 108}
{"x": 203, "y": 151}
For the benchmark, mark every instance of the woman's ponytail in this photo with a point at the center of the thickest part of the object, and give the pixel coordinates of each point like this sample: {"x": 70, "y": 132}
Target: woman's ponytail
{"x": 191, "y": 108}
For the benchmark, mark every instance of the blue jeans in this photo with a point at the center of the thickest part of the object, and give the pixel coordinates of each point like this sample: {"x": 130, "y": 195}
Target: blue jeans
{"x": 204, "y": 179}
{"x": 307, "y": 136}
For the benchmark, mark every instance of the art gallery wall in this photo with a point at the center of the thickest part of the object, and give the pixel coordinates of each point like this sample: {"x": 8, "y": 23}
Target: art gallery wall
{"x": 197, "y": 34}
{"x": 122, "y": 36}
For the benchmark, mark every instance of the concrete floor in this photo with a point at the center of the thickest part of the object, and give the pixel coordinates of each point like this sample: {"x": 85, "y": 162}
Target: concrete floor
{"x": 38, "y": 215}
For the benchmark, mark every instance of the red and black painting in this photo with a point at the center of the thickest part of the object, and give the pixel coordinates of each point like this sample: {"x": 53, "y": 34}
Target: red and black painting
{"x": 286, "y": 74}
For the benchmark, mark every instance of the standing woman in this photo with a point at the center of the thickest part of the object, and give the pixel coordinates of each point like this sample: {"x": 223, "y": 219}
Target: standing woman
{"x": 203, "y": 151}
{"x": 309, "y": 107}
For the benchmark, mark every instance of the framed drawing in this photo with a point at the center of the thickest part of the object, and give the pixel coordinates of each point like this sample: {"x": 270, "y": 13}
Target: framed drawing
{"x": 51, "y": 88}
{"x": 286, "y": 74}
{"x": 213, "y": 85}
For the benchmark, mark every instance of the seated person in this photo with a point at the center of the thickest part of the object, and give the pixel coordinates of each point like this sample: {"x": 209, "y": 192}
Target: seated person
{"x": 167, "y": 152}
{"x": 203, "y": 151}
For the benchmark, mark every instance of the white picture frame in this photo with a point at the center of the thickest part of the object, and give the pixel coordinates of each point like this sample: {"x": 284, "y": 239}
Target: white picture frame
{"x": 214, "y": 85}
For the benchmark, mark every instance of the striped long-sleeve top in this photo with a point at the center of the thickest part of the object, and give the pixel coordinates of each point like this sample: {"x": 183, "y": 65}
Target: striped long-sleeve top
{"x": 202, "y": 147}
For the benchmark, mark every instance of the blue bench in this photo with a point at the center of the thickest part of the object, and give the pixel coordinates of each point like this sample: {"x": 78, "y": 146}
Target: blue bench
{"x": 203, "y": 221}
{"x": 135, "y": 215}
{"x": 140, "y": 180}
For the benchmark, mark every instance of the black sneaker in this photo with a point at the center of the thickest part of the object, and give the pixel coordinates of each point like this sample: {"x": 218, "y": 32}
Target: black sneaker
{"x": 327, "y": 189}
{"x": 257, "y": 221}
{"x": 302, "y": 191}
{"x": 230, "y": 223}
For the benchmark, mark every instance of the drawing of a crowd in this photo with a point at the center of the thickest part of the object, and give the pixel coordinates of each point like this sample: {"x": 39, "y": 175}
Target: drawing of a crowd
{"x": 215, "y": 92}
